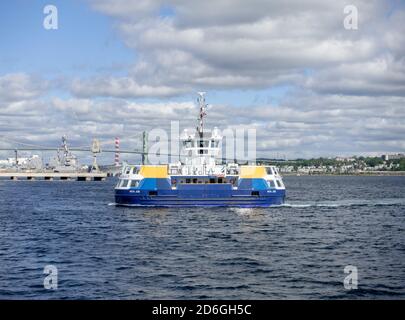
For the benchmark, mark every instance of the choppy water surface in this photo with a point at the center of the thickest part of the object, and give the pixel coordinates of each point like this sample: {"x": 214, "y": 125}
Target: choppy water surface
{"x": 298, "y": 250}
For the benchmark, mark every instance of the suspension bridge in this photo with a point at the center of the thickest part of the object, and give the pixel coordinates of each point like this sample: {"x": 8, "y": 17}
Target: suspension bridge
{"x": 95, "y": 148}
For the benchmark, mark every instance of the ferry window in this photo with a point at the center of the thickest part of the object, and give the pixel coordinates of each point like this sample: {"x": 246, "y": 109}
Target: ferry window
{"x": 134, "y": 183}
{"x": 220, "y": 180}
{"x": 212, "y": 180}
{"x": 188, "y": 180}
{"x": 174, "y": 170}
{"x": 153, "y": 193}
{"x": 135, "y": 170}
{"x": 127, "y": 170}
{"x": 194, "y": 180}
{"x": 255, "y": 193}
{"x": 269, "y": 170}
{"x": 278, "y": 183}
{"x": 199, "y": 181}
{"x": 124, "y": 183}
{"x": 271, "y": 183}
{"x": 182, "y": 181}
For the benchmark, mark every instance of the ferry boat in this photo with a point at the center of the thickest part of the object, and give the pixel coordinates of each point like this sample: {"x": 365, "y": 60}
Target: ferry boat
{"x": 201, "y": 179}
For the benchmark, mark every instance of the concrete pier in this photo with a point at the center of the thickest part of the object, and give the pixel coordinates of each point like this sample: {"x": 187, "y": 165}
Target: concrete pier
{"x": 49, "y": 176}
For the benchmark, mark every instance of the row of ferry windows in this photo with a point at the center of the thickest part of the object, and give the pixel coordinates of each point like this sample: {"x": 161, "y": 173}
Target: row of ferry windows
{"x": 128, "y": 183}
{"x": 124, "y": 183}
{"x": 272, "y": 184}
{"x": 271, "y": 171}
{"x": 202, "y": 144}
{"x": 135, "y": 170}
{"x": 211, "y": 180}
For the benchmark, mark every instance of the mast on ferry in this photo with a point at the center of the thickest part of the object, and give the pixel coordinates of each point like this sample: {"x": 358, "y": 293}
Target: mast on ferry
{"x": 202, "y": 104}
{"x": 200, "y": 128}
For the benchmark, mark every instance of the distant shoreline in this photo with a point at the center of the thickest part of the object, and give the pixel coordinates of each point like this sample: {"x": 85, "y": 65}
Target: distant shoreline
{"x": 375, "y": 173}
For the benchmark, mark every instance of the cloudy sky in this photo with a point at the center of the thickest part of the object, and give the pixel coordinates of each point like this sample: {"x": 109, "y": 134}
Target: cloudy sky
{"x": 287, "y": 68}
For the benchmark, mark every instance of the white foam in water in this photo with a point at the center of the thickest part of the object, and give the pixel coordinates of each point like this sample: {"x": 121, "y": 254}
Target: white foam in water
{"x": 329, "y": 204}
{"x": 348, "y": 203}
{"x": 295, "y": 205}
{"x": 128, "y": 205}
{"x": 243, "y": 211}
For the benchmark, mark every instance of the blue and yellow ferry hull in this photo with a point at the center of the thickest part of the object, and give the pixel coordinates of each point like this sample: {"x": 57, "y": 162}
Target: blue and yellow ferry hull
{"x": 157, "y": 188}
{"x": 191, "y": 199}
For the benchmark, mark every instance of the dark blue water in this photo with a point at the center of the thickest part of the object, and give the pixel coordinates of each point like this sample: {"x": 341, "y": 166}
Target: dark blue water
{"x": 295, "y": 251}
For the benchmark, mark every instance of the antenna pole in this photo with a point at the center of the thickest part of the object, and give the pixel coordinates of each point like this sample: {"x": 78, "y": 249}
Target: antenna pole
{"x": 144, "y": 147}
{"x": 201, "y": 102}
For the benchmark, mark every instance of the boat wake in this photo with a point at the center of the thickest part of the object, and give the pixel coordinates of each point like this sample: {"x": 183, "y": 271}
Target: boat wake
{"x": 298, "y": 204}
{"x": 126, "y": 205}
{"x": 347, "y": 203}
